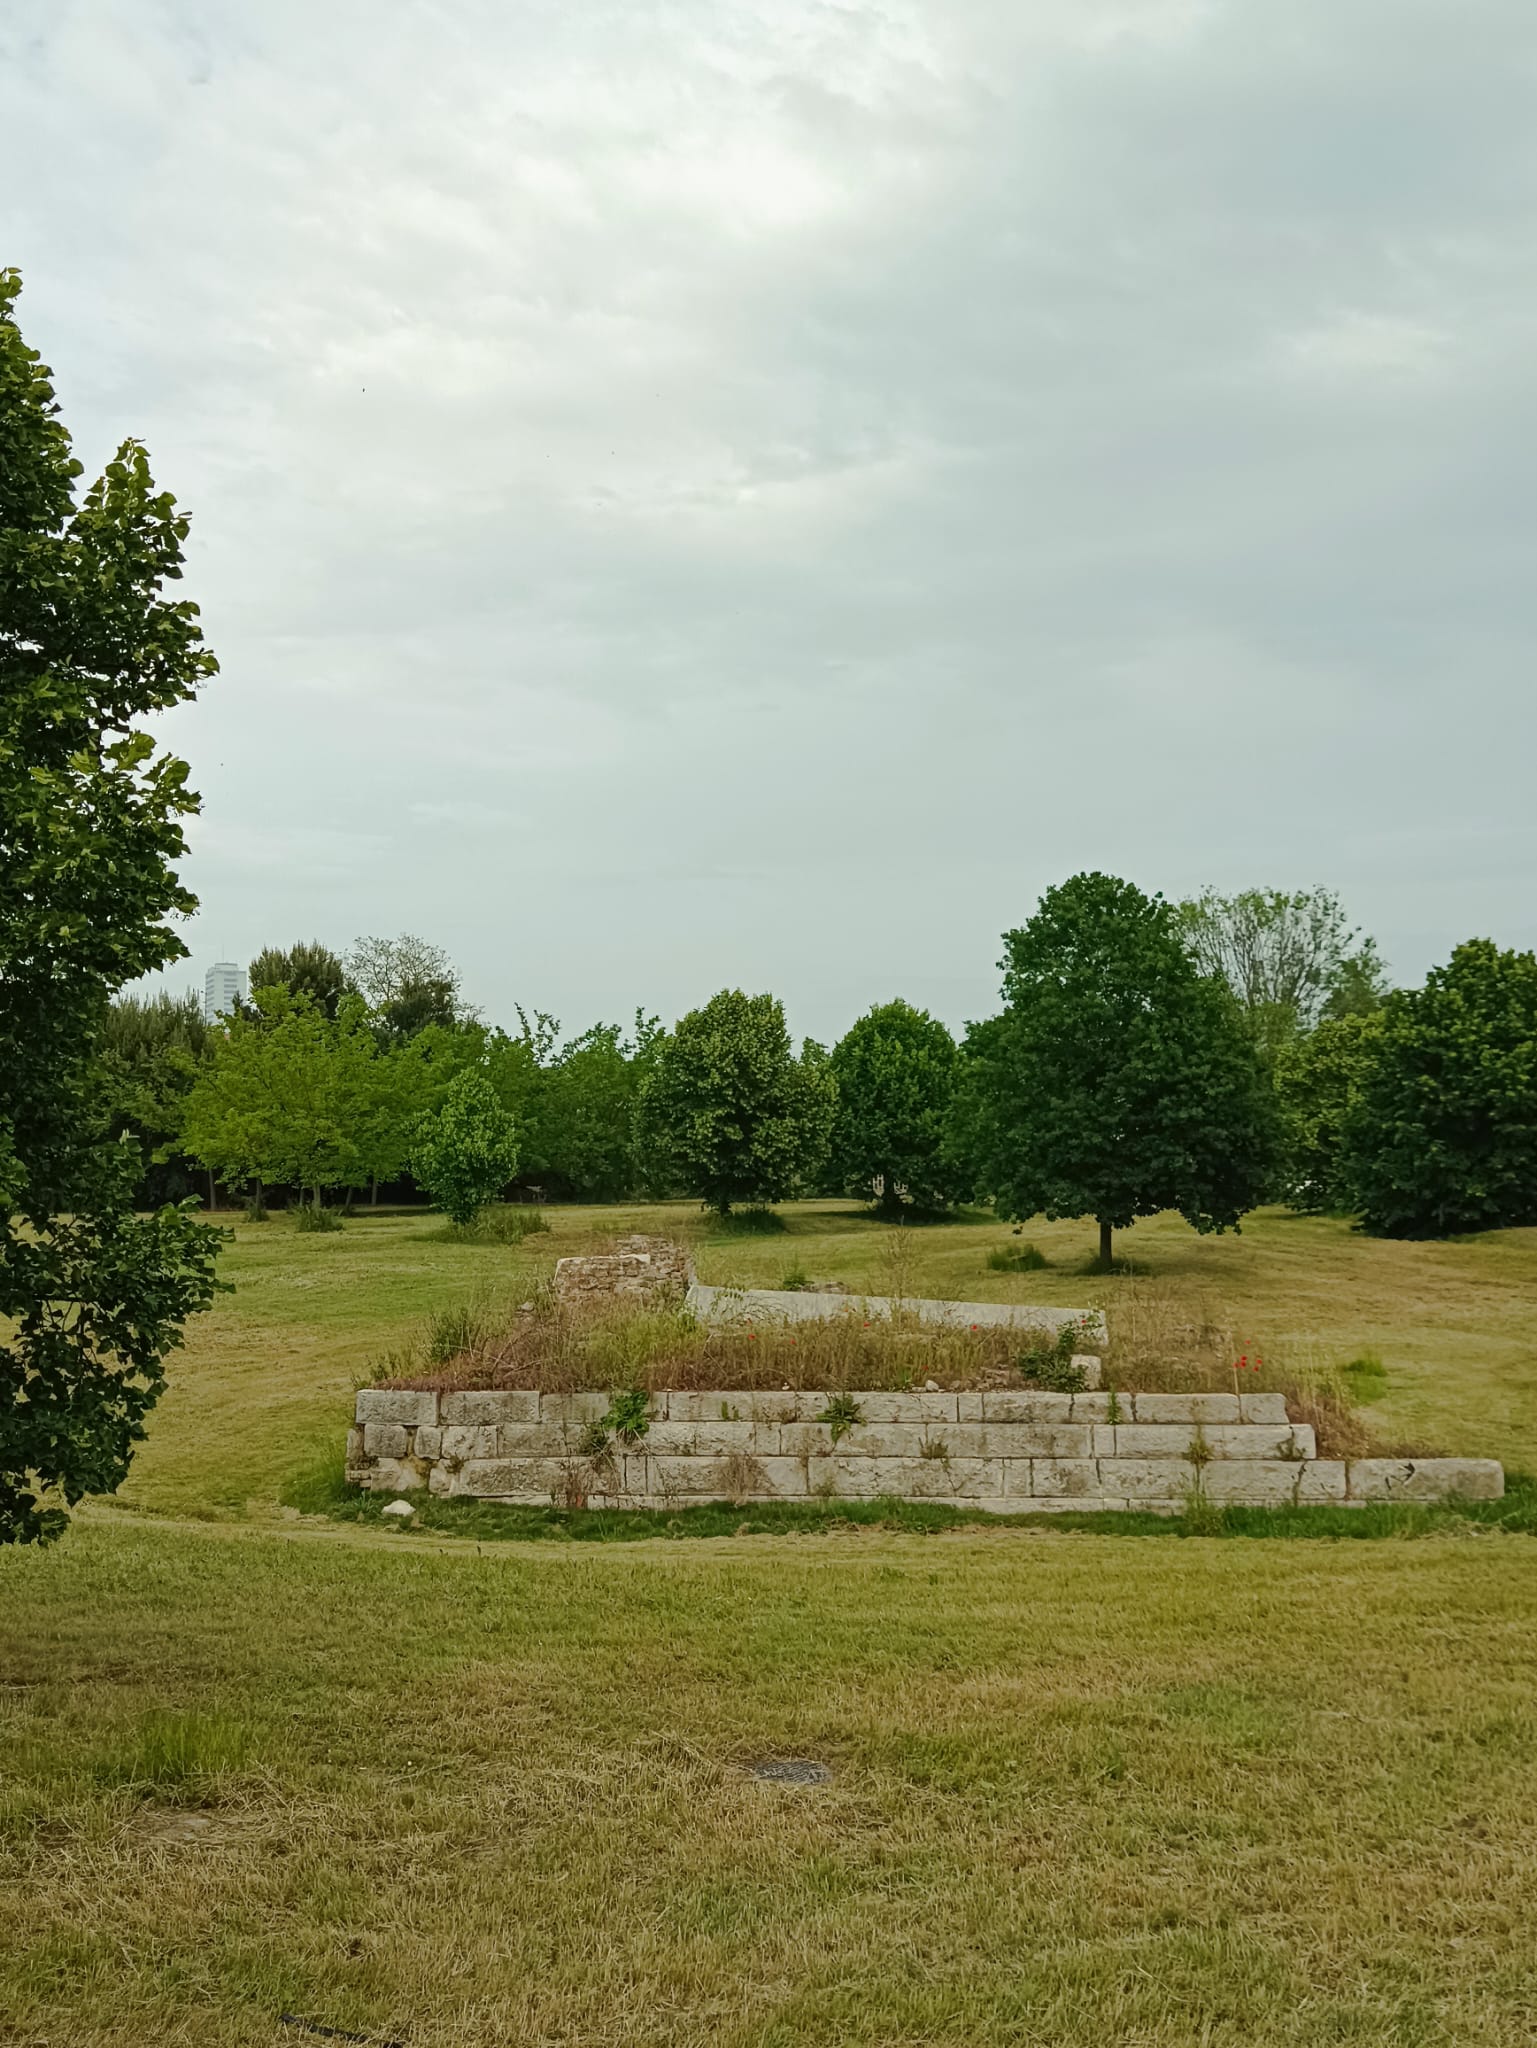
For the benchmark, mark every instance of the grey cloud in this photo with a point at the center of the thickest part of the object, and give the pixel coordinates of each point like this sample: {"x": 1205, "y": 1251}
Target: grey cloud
{"x": 756, "y": 491}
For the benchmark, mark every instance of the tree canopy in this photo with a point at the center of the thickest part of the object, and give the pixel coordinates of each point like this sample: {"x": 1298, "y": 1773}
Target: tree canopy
{"x": 465, "y": 1150}
{"x": 1118, "y": 1080}
{"x": 1290, "y": 958}
{"x": 91, "y": 1296}
{"x": 895, "y": 1071}
{"x": 728, "y": 1107}
{"x": 306, "y": 969}
{"x": 1441, "y": 1134}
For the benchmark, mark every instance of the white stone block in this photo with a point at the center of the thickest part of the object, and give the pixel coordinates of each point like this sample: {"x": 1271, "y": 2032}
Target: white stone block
{"x": 427, "y": 1441}
{"x": 570, "y": 1410}
{"x": 384, "y": 1440}
{"x": 696, "y": 1406}
{"x": 907, "y": 1408}
{"x": 1027, "y": 1407}
{"x": 390, "y": 1475}
{"x": 1263, "y": 1407}
{"x": 395, "y": 1404}
{"x": 1091, "y": 1366}
{"x": 1097, "y": 1407}
{"x": 1321, "y": 1479}
{"x": 917, "y": 1478}
{"x": 485, "y": 1407}
{"x": 1182, "y": 1408}
{"x": 1223, "y": 1441}
{"x": 525, "y": 1479}
{"x": 1425, "y": 1479}
{"x": 710, "y": 1439}
{"x": 1258, "y": 1482}
{"x": 1077, "y": 1478}
{"x": 1143, "y": 1479}
{"x": 464, "y": 1442}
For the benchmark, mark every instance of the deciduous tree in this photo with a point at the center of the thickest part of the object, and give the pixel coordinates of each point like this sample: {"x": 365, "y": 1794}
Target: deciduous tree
{"x": 1290, "y": 957}
{"x": 1441, "y": 1135}
{"x": 465, "y": 1150}
{"x": 895, "y": 1071}
{"x": 728, "y": 1107}
{"x": 1118, "y": 1080}
{"x": 92, "y": 1297}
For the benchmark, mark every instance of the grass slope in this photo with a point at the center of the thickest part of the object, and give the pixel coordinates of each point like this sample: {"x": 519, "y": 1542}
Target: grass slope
{"x": 1082, "y": 1791}
{"x": 436, "y": 1789}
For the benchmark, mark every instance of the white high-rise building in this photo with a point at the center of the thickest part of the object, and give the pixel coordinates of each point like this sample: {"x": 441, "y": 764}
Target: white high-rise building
{"x": 224, "y": 986}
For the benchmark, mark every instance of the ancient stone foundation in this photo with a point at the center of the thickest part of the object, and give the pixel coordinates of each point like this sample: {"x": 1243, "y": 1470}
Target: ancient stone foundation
{"x": 1007, "y": 1452}
{"x": 637, "y": 1269}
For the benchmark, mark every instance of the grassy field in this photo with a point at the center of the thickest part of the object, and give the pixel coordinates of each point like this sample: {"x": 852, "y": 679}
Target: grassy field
{"x": 1083, "y": 1788}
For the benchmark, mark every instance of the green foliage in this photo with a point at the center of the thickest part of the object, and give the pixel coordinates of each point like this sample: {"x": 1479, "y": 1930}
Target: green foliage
{"x": 311, "y": 1217}
{"x": 465, "y": 1150}
{"x": 753, "y": 1222}
{"x": 1441, "y": 1134}
{"x": 895, "y": 1072}
{"x": 408, "y": 984}
{"x": 1017, "y": 1258}
{"x": 307, "y": 969}
{"x": 1317, "y": 1079}
{"x": 584, "y": 1115}
{"x": 91, "y": 1296}
{"x": 729, "y": 1108}
{"x": 1118, "y": 1081}
{"x": 1290, "y": 958}
{"x": 151, "y": 1049}
{"x": 1048, "y": 1363}
{"x": 289, "y": 1094}
{"x": 795, "y": 1280}
{"x": 841, "y": 1414}
{"x": 629, "y": 1414}
{"x": 507, "y": 1223}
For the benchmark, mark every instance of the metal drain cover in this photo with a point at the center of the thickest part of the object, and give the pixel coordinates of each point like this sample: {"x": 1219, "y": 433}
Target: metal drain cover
{"x": 790, "y": 1770}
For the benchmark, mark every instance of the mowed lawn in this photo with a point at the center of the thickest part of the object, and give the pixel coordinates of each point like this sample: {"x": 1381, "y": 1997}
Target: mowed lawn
{"x": 1082, "y": 1788}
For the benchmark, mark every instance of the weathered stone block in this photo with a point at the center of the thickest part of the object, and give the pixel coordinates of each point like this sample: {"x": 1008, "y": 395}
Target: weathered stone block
{"x": 1093, "y": 1407}
{"x": 917, "y": 1478}
{"x": 1425, "y": 1479}
{"x": 1080, "y": 1504}
{"x": 698, "y": 1478}
{"x": 805, "y": 1439}
{"x": 1263, "y": 1407}
{"x": 483, "y": 1408}
{"x": 1027, "y": 1407}
{"x": 1261, "y": 1482}
{"x": 354, "y": 1449}
{"x": 384, "y": 1440}
{"x": 1321, "y": 1479}
{"x": 1223, "y": 1441}
{"x": 1077, "y": 1478}
{"x": 1182, "y": 1408}
{"x": 572, "y": 1410}
{"x": 711, "y": 1439}
{"x": 787, "y": 1478}
{"x": 395, "y": 1404}
{"x": 427, "y": 1441}
{"x": 520, "y": 1479}
{"x": 390, "y": 1475}
{"x": 695, "y": 1406}
{"x": 1091, "y": 1366}
{"x": 463, "y": 1441}
{"x": 908, "y": 1408}
{"x": 1144, "y": 1479}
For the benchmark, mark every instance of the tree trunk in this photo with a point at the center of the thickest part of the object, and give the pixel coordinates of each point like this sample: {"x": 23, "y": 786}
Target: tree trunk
{"x": 213, "y": 1199}
{"x": 373, "y": 1191}
{"x": 1104, "y": 1244}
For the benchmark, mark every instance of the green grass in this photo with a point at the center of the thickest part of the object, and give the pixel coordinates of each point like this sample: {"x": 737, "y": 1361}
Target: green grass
{"x": 1082, "y": 1791}
{"x": 1093, "y": 1778}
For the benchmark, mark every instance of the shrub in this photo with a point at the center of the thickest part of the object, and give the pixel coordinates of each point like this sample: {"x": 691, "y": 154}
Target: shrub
{"x": 796, "y": 1280}
{"x": 308, "y": 1217}
{"x": 505, "y": 1224}
{"x": 453, "y": 1331}
{"x": 629, "y": 1414}
{"x": 754, "y": 1222}
{"x": 1048, "y": 1362}
{"x": 1017, "y": 1258}
{"x": 465, "y": 1150}
{"x": 841, "y": 1415}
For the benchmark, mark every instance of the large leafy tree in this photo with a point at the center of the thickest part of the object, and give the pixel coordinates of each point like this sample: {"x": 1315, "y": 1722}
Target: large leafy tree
{"x": 291, "y": 1095}
{"x": 895, "y": 1071}
{"x": 92, "y": 1296}
{"x": 728, "y": 1110}
{"x": 1118, "y": 1080}
{"x": 152, "y": 1049}
{"x": 1291, "y": 957}
{"x": 409, "y": 983}
{"x": 1441, "y": 1135}
{"x": 1318, "y": 1077}
{"x": 465, "y": 1150}
{"x": 306, "y": 969}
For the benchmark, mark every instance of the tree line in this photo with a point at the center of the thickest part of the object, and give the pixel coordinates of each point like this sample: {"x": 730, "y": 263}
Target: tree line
{"x": 1202, "y": 1056}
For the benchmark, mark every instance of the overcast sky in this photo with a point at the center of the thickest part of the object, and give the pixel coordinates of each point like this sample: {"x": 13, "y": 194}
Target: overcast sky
{"x": 751, "y": 493}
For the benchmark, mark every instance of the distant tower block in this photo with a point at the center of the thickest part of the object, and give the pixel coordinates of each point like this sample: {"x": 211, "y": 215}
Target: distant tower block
{"x": 224, "y": 986}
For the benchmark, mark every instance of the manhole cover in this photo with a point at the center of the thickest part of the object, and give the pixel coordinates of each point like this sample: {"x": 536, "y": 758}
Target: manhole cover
{"x": 790, "y": 1770}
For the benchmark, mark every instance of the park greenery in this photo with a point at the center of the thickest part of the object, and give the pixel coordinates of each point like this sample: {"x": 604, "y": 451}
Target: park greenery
{"x": 92, "y": 1294}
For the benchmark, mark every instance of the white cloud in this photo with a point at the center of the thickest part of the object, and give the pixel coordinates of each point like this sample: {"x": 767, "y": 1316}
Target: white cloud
{"x": 757, "y": 489}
